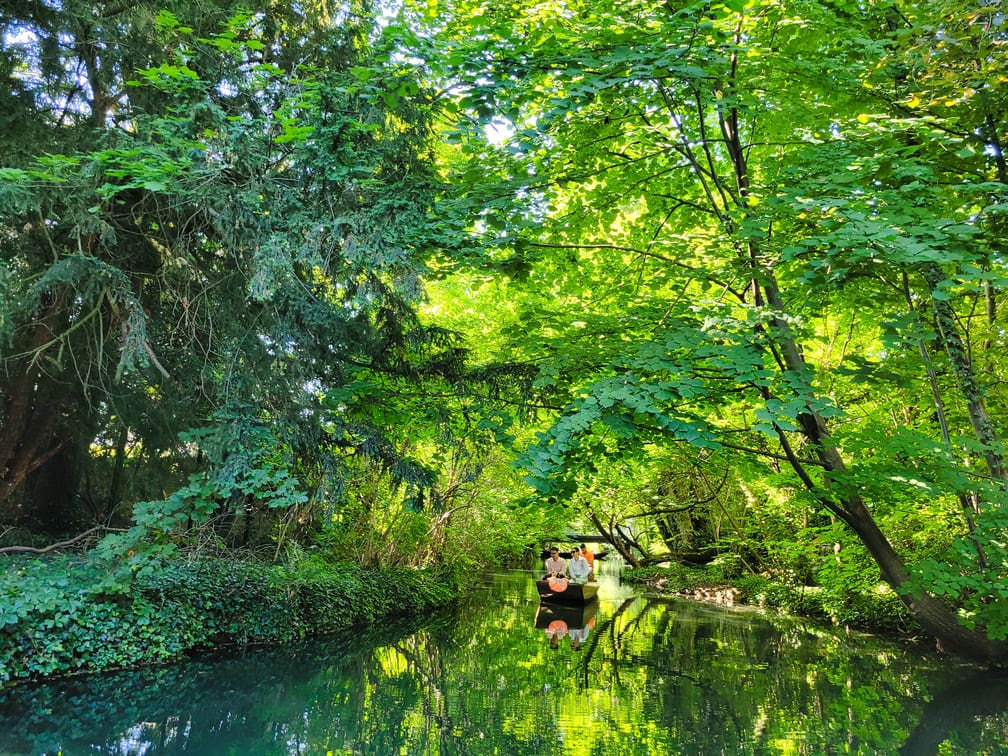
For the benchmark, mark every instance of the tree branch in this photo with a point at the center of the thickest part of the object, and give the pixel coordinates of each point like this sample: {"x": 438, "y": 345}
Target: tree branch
{"x": 61, "y": 544}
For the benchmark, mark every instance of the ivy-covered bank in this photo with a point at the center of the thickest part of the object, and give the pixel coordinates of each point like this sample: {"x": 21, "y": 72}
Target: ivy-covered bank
{"x": 62, "y": 616}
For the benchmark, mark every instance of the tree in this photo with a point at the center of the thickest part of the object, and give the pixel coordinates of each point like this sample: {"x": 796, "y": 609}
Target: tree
{"x": 213, "y": 222}
{"x": 700, "y": 196}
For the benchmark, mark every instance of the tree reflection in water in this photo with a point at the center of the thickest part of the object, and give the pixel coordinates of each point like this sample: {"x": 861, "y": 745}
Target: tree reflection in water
{"x": 650, "y": 676}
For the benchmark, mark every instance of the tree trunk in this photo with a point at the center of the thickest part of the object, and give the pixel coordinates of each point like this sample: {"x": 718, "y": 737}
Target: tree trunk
{"x": 27, "y": 438}
{"x": 952, "y": 341}
{"x": 615, "y": 539}
{"x": 936, "y": 617}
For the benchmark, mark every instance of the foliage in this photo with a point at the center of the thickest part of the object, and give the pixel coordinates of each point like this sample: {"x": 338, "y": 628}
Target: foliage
{"x": 759, "y": 230}
{"x": 57, "y": 616}
{"x": 211, "y": 271}
{"x": 871, "y": 608}
{"x": 730, "y": 274}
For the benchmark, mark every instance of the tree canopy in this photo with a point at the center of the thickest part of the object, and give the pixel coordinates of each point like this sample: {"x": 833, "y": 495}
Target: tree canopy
{"x": 213, "y": 241}
{"x": 722, "y": 277}
{"x": 765, "y": 231}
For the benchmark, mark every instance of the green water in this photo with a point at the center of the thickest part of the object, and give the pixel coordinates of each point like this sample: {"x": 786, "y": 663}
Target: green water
{"x": 647, "y": 676}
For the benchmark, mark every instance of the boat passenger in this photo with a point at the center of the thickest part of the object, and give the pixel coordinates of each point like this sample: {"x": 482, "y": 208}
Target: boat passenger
{"x": 555, "y": 566}
{"x": 590, "y": 558}
{"x": 578, "y": 568}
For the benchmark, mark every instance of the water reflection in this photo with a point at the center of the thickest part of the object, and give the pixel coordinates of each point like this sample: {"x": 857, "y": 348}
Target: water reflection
{"x": 649, "y": 676}
{"x": 574, "y": 622}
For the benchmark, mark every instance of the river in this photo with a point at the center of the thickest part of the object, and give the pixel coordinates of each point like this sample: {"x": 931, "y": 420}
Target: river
{"x": 633, "y": 675}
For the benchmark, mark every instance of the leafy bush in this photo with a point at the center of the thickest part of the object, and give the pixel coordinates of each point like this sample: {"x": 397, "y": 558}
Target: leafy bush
{"x": 57, "y": 616}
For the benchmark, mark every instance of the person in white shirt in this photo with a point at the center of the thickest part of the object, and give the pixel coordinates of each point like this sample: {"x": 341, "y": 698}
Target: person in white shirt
{"x": 578, "y": 569}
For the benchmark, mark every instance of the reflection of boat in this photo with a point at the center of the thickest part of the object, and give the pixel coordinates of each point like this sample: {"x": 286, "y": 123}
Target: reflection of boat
{"x": 574, "y": 617}
{"x": 563, "y": 591}
{"x": 559, "y": 620}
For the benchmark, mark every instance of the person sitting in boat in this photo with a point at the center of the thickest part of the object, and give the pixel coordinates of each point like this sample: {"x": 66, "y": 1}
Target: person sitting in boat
{"x": 578, "y": 568}
{"x": 590, "y": 558}
{"x": 555, "y": 566}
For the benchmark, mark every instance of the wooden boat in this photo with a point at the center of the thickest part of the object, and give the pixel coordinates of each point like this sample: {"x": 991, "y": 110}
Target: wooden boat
{"x": 563, "y": 591}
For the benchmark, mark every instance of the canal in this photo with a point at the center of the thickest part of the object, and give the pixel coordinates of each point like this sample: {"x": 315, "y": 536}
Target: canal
{"x": 632, "y": 675}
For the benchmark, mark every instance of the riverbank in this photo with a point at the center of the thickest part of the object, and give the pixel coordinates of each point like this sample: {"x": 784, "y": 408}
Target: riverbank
{"x": 65, "y": 615}
{"x": 879, "y": 611}
{"x": 650, "y": 677}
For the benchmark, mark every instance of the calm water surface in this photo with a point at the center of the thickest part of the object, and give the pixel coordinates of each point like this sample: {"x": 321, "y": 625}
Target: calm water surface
{"x": 633, "y": 675}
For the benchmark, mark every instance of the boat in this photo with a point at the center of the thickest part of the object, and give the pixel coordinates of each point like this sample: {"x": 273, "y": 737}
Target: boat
{"x": 564, "y": 591}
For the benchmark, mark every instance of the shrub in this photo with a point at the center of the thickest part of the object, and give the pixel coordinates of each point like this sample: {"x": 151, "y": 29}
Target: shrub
{"x": 58, "y": 616}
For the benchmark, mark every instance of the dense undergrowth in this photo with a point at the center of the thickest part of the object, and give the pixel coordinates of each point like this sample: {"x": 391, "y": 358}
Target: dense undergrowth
{"x": 877, "y": 610}
{"x": 63, "y": 615}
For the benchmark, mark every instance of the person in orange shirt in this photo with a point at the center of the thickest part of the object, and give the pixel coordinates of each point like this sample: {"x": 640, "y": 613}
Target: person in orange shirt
{"x": 590, "y": 558}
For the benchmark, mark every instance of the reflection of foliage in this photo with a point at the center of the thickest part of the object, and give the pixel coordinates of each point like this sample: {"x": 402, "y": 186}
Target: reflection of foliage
{"x": 281, "y": 686}
{"x": 654, "y": 677}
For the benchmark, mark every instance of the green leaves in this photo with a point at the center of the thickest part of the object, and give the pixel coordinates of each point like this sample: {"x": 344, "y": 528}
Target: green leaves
{"x": 747, "y": 225}
{"x": 55, "y": 619}
{"x": 614, "y": 415}
{"x": 244, "y": 219}
{"x": 980, "y": 596}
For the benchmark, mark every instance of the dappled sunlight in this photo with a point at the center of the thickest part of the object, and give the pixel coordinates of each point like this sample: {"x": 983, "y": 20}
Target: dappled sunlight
{"x": 649, "y": 676}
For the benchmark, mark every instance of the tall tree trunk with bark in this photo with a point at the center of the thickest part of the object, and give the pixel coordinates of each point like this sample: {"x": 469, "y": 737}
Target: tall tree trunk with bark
{"x": 28, "y": 432}
{"x": 934, "y": 615}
